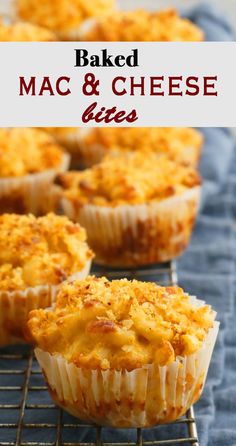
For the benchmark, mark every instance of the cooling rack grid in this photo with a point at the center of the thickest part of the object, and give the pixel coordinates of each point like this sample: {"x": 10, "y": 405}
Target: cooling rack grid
{"x": 29, "y": 418}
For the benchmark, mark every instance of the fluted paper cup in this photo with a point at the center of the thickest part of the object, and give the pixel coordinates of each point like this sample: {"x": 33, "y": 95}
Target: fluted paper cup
{"x": 81, "y": 154}
{"x": 143, "y": 397}
{"x": 30, "y": 193}
{"x": 130, "y": 235}
{"x": 16, "y": 305}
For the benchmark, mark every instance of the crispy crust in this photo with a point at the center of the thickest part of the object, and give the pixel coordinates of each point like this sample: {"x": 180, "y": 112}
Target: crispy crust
{"x": 16, "y": 305}
{"x": 131, "y": 178}
{"x": 39, "y": 252}
{"x": 141, "y": 25}
{"x": 61, "y": 16}
{"x": 120, "y": 324}
{"x": 25, "y": 151}
{"x": 183, "y": 145}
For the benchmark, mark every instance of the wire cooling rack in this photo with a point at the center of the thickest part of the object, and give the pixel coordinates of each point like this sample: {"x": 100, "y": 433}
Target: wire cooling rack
{"x": 29, "y": 418}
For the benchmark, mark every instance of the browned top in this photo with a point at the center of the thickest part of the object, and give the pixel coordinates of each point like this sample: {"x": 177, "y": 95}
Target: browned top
{"x": 39, "y": 251}
{"x": 120, "y": 324}
{"x": 61, "y": 15}
{"x": 25, "y": 151}
{"x": 141, "y": 25}
{"x": 132, "y": 178}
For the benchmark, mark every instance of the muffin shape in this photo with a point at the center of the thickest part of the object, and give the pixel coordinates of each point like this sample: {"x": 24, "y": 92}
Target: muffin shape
{"x": 25, "y": 32}
{"x": 36, "y": 255}
{"x": 124, "y": 354}
{"x": 63, "y": 16}
{"x": 141, "y": 25}
{"x": 29, "y": 161}
{"x": 137, "y": 209}
{"x": 183, "y": 145}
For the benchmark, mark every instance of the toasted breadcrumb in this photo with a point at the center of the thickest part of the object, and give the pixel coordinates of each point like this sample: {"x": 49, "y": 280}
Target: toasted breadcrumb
{"x": 120, "y": 324}
{"x": 180, "y": 144}
{"x": 141, "y": 25}
{"x": 25, "y": 151}
{"x": 61, "y": 15}
{"x": 39, "y": 251}
{"x": 133, "y": 178}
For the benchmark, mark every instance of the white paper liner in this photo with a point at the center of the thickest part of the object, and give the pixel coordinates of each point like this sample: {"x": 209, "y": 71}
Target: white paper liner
{"x": 141, "y": 398}
{"x": 30, "y": 193}
{"x": 16, "y": 305}
{"x": 138, "y": 234}
{"x": 82, "y": 155}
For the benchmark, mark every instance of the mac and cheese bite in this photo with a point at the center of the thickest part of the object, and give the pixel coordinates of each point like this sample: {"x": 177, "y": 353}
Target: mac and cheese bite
{"x": 119, "y": 324}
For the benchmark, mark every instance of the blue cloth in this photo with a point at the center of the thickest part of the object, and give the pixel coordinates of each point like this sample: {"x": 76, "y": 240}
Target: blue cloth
{"x": 207, "y": 269}
{"x": 214, "y": 23}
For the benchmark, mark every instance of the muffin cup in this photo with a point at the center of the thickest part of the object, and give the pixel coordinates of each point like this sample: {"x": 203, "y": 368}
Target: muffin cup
{"x": 16, "y": 305}
{"x": 143, "y": 397}
{"x": 30, "y": 193}
{"x": 73, "y": 144}
{"x": 88, "y": 154}
{"x": 81, "y": 154}
{"x": 130, "y": 235}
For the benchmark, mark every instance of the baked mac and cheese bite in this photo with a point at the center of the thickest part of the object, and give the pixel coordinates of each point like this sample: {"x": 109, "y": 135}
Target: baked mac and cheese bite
{"x": 180, "y": 144}
{"x": 36, "y": 255}
{"x": 141, "y": 25}
{"x": 63, "y": 17}
{"x": 122, "y": 348}
{"x": 137, "y": 209}
{"x": 29, "y": 161}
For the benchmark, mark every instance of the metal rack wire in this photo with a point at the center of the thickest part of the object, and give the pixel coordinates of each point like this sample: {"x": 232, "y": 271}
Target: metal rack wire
{"x": 29, "y": 418}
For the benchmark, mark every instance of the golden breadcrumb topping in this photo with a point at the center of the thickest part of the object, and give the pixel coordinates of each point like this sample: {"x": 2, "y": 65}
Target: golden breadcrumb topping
{"x": 25, "y": 151}
{"x": 120, "y": 324}
{"x": 61, "y": 15}
{"x": 132, "y": 178}
{"x": 141, "y": 25}
{"x": 39, "y": 251}
{"x": 25, "y": 32}
{"x": 60, "y": 132}
{"x": 173, "y": 141}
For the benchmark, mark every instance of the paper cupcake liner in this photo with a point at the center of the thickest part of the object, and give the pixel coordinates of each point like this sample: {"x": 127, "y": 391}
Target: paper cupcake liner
{"x": 31, "y": 193}
{"x": 81, "y": 155}
{"x": 16, "y": 305}
{"x": 130, "y": 235}
{"x": 143, "y": 397}
{"x": 73, "y": 144}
